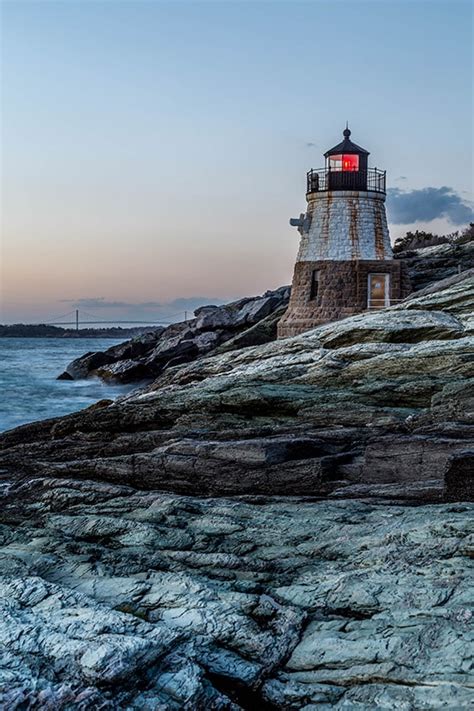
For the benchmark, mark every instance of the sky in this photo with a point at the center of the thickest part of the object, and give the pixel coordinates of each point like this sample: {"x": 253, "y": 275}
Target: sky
{"x": 153, "y": 152}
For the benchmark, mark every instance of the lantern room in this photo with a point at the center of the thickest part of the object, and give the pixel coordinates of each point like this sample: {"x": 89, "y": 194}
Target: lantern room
{"x": 346, "y": 165}
{"x": 343, "y": 162}
{"x": 346, "y": 169}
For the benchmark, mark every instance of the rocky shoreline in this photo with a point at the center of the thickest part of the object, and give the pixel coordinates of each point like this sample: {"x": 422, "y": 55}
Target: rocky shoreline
{"x": 377, "y": 405}
{"x": 265, "y": 525}
{"x": 243, "y": 323}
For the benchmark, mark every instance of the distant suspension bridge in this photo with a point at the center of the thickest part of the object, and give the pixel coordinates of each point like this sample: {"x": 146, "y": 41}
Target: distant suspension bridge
{"x": 83, "y": 318}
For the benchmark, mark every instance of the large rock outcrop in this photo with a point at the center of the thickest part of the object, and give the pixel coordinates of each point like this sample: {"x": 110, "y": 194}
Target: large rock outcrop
{"x": 374, "y": 405}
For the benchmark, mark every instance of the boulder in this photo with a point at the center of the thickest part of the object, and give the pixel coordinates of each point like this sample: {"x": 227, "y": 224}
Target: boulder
{"x": 428, "y": 265}
{"x": 220, "y": 318}
{"x": 391, "y": 326}
{"x": 65, "y": 376}
{"x": 205, "y": 309}
{"x": 124, "y": 371}
{"x": 452, "y": 295}
{"x": 86, "y": 364}
{"x": 257, "y": 309}
{"x": 263, "y": 331}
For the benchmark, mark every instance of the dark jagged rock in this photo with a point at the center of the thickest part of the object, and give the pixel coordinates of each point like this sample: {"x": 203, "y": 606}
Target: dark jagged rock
{"x": 459, "y": 477}
{"x": 263, "y": 331}
{"x": 431, "y": 264}
{"x": 65, "y": 376}
{"x": 88, "y": 363}
{"x": 243, "y": 323}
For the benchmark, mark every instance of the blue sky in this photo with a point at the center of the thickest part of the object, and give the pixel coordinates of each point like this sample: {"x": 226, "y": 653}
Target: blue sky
{"x": 155, "y": 150}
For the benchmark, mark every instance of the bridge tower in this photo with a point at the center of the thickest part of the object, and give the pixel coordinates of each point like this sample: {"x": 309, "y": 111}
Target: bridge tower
{"x": 345, "y": 263}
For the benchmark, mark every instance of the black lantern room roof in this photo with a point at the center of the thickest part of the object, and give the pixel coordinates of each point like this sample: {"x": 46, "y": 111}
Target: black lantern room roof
{"x": 346, "y": 146}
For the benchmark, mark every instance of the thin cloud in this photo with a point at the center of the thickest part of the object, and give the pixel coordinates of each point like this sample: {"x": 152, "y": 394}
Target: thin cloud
{"x": 100, "y": 302}
{"x": 408, "y": 206}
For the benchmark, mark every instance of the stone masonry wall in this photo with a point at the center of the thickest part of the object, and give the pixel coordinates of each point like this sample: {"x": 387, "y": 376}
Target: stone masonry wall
{"x": 345, "y": 225}
{"x": 342, "y": 291}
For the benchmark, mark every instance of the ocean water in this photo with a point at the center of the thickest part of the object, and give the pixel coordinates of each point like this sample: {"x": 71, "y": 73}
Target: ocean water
{"x": 29, "y": 367}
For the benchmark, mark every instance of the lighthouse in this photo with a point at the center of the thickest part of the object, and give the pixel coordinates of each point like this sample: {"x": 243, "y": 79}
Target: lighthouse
{"x": 345, "y": 263}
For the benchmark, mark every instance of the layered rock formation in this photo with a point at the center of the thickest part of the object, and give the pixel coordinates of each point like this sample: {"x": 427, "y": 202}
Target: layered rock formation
{"x": 430, "y": 264}
{"x": 236, "y": 535}
{"x": 375, "y": 405}
{"x": 118, "y": 599}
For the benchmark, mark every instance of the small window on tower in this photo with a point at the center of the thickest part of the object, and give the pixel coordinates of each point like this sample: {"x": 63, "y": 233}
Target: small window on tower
{"x": 314, "y": 285}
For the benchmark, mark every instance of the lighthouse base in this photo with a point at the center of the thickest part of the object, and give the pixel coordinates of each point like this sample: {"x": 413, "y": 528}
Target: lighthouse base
{"x": 324, "y": 291}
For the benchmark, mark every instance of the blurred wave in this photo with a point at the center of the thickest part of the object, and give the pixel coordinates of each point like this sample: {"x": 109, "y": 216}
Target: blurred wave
{"x": 29, "y": 390}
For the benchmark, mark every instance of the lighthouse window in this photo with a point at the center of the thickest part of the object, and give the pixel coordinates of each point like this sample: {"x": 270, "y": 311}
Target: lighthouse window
{"x": 314, "y": 284}
{"x": 347, "y": 162}
{"x": 350, "y": 162}
{"x": 335, "y": 162}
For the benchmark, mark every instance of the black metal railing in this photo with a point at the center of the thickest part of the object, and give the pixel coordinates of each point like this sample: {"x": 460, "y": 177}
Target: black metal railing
{"x": 324, "y": 179}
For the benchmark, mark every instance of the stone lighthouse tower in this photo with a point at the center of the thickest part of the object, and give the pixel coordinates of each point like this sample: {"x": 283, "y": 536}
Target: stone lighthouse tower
{"x": 345, "y": 263}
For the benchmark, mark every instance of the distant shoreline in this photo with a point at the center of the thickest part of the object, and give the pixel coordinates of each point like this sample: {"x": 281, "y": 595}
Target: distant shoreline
{"x": 44, "y": 331}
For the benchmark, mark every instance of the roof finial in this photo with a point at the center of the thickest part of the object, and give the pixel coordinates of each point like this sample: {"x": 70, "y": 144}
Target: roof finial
{"x": 346, "y": 133}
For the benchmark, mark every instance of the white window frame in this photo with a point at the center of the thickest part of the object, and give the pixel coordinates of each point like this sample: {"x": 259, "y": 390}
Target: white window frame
{"x": 386, "y": 278}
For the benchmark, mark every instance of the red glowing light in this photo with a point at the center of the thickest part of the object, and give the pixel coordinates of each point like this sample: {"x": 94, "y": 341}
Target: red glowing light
{"x": 346, "y": 162}
{"x": 350, "y": 162}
